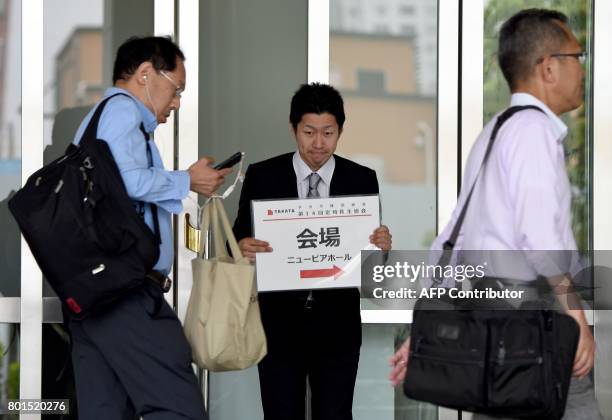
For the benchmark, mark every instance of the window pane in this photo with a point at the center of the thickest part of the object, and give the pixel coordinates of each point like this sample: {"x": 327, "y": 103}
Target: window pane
{"x": 72, "y": 68}
{"x": 497, "y": 97}
{"x": 385, "y": 65}
{"x": 578, "y": 142}
{"x": 10, "y": 143}
{"x": 374, "y": 396}
{"x": 9, "y": 366}
{"x": 383, "y": 59}
{"x": 251, "y": 63}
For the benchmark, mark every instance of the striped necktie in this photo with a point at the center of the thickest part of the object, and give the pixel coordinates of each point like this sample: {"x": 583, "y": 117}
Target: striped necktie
{"x": 313, "y": 182}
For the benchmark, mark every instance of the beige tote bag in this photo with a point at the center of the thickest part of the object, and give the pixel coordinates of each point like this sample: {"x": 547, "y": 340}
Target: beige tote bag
{"x": 223, "y": 324}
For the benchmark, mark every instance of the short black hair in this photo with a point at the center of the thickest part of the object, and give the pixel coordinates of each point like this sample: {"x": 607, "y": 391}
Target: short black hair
{"x": 316, "y": 98}
{"x": 525, "y": 38}
{"x": 160, "y": 51}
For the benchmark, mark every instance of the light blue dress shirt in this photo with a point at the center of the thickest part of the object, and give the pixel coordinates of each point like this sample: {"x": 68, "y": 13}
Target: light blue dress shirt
{"x": 119, "y": 126}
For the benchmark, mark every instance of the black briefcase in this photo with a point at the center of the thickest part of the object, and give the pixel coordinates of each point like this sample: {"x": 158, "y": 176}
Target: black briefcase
{"x": 504, "y": 363}
{"x": 83, "y": 229}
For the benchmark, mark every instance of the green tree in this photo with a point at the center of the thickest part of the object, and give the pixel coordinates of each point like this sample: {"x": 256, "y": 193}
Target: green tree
{"x": 1, "y": 364}
{"x": 12, "y": 382}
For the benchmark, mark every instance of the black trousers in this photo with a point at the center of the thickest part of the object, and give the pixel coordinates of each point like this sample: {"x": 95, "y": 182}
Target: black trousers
{"x": 315, "y": 345}
{"x": 127, "y": 361}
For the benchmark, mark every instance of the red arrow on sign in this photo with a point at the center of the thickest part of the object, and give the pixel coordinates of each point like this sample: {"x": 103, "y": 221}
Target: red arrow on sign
{"x": 334, "y": 272}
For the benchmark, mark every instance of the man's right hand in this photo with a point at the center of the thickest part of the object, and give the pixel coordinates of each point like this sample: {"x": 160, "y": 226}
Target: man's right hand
{"x": 204, "y": 179}
{"x": 399, "y": 363}
{"x": 250, "y": 246}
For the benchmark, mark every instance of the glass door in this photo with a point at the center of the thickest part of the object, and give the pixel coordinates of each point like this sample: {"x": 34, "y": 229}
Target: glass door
{"x": 70, "y": 48}
{"x": 11, "y": 168}
{"x": 383, "y": 57}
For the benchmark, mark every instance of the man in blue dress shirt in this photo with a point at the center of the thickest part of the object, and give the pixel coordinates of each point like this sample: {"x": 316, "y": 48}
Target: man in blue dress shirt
{"x": 133, "y": 359}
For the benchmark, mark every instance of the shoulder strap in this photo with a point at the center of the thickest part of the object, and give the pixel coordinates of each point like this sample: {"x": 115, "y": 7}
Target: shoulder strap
{"x": 451, "y": 241}
{"x": 91, "y": 131}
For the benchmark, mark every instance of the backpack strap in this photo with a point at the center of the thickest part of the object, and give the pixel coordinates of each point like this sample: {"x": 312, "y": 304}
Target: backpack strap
{"x": 449, "y": 244}
{"x": 91, "y": 134}
{"x": 91, "y": 131}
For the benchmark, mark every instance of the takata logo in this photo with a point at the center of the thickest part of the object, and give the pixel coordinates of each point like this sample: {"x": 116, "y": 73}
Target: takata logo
{"x": 272, "y": 212}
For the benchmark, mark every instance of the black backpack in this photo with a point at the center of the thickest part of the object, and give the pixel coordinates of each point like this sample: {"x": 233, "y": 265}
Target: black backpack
{"x": 84, "y": 231}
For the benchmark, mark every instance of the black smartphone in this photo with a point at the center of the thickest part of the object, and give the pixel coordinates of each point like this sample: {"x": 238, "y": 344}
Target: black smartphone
{"x": 229, "y": 162}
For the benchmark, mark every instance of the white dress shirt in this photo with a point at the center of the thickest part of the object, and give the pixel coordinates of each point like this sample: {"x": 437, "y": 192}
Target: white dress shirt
{"x": 302, "y": 171}
{"x": 522, "y": 199}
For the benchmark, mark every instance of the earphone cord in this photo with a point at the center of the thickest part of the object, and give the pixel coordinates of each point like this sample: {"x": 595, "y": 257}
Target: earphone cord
{"x": 149, "y": 98}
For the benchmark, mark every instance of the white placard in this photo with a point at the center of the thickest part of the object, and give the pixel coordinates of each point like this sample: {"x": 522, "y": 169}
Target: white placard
{"x": 316, "y": 241}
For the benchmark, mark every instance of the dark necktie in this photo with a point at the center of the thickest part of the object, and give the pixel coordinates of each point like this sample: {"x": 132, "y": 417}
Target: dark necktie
{"x": 313, "y": 183}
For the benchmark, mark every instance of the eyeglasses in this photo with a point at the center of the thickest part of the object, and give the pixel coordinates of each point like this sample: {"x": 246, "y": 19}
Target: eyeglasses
{"x": 179, "y": 90}
{"x": 580, "y": 56}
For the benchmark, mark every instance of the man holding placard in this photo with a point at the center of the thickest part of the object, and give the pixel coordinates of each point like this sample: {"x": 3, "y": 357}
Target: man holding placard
{"x": 314, "y": 333}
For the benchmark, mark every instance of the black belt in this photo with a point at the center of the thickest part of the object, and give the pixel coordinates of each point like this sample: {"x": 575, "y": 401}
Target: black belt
{"x": 159, "y": 279}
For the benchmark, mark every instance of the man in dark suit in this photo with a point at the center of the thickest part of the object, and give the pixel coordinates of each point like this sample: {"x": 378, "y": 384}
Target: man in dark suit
{"x": 314, "y": 335}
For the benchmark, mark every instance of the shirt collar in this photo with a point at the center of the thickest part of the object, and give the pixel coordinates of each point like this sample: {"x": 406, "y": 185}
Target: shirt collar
{"x": 148, "y": 118}
{"x": 523, "y": 98}
{"x": 302, "y": 171}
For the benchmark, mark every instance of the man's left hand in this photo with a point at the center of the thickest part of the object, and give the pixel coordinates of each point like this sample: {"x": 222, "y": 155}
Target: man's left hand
{"x": 585, "y": 354}
{"x": 381, "y": 237}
